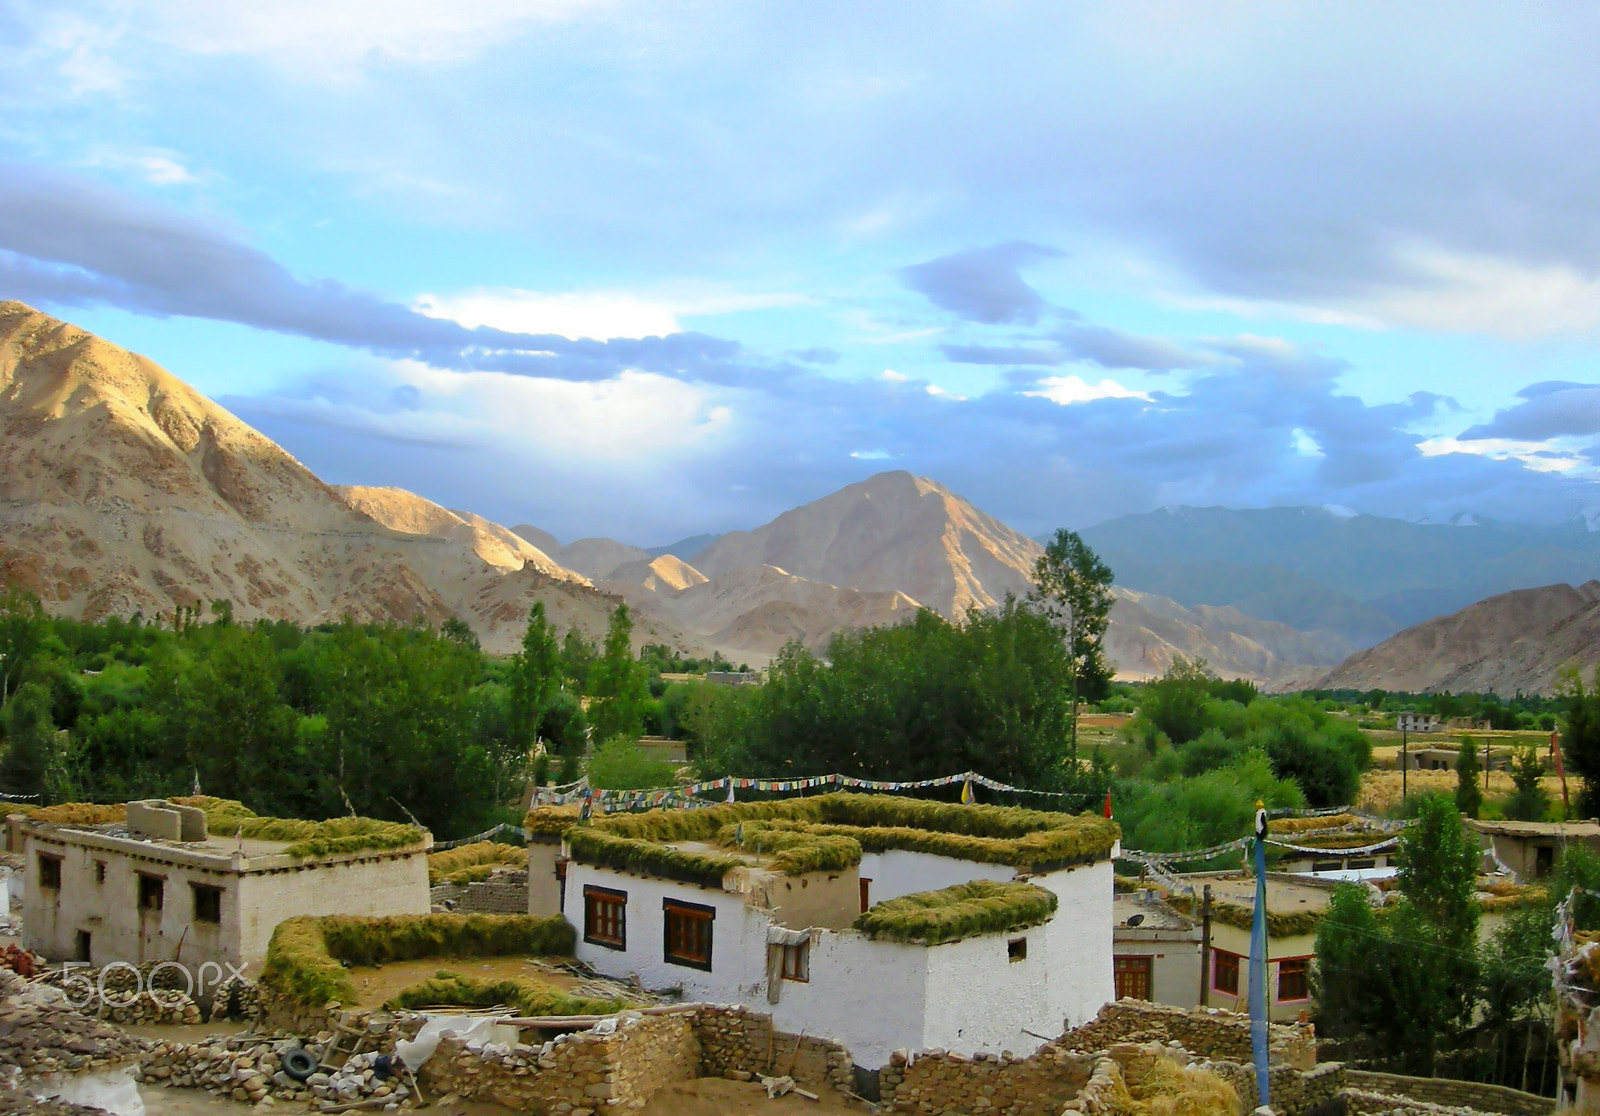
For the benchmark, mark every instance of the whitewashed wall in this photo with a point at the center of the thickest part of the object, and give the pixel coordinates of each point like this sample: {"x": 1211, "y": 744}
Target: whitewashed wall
{"x": 898, "y": 872}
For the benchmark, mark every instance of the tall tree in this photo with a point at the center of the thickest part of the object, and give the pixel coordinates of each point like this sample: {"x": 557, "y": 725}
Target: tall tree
{"x": 618, "y": 684}
{"x": 1580, "y": 736}
{"x": 1469, "y": 795}
{"x": 22, "y": 631}
{"x": 30, "y": 742}
{"x": 577, "y": 660}
{"x": 1075, "y": 586}
{"x": 535, "y": 678}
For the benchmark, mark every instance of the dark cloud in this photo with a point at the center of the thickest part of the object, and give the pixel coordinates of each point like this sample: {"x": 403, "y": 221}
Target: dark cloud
{"x": 818, "y": 355}
{"x": 982, "y": 284}
{"x": 1001, "y": 354}
{"x": 1551, "y": 409}
{"x": 1092, "y": 344}
{"x": 68, "y": 242}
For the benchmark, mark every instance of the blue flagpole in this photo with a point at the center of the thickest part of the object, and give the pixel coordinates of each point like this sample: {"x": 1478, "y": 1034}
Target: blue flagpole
{"x": 1258, "y": 963}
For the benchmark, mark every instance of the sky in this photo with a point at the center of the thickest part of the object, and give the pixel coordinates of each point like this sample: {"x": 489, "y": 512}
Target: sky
{"x": 653, "y": 269}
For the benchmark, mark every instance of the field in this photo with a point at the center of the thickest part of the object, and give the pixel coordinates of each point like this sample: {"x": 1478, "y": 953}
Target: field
{"x": 1380, "y": 789}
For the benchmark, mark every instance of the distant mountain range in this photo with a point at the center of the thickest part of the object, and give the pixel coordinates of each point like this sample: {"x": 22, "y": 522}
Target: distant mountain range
{"x": 122, "y": 489}
{"x": 1521, "y": 640}
{"x": 1361, "y": 577}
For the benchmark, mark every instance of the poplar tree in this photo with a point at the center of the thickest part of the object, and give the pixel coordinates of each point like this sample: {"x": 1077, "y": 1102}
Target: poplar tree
{"x": 617, "y": 683}
{"x": 1469, "y": 795}
{"x": 535, "y": 678}
{"x": 1074, "y": 586}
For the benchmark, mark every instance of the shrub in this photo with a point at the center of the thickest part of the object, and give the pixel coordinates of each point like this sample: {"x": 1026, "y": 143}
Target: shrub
{"x": 620, "y": 764}
{"x": 477, "y": 861}
{"x": 530, "y": 997}
{"x": 962, "y": 911}
{"x": 304, "y": 955}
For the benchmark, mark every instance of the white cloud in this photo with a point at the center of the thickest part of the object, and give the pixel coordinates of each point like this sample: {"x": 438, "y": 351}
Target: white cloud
{"x": 1305, "y": 445}
{"x": 939, "y": 393}
{"x": 599, "y": 315}
{"x": 1538, "y": 456}
{"x": 156, "y": 166}
{"x": 1471, "y": 293}
{"x": 871, "y": 455}
{"x": 894, "y": 377}
{"x": 1067, "y": 390}
{"x": 632, "y": 417}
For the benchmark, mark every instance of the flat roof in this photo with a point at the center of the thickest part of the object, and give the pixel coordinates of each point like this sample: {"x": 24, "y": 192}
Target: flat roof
{"x": 1154, "y": 913}
{"x": 1570, "y": 829}
{"x": 1285, "y": 894}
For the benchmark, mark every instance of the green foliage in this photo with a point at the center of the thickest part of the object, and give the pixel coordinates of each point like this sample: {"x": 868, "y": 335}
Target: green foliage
{"x": 535, "y": 678}
{"x": 23, "y": 628}
{"x": 926, "y": 698}
{"x": 1580, "y": 737}
{"x": 529, "y": 997}
{"x": 1176, "y": 703}
{"x": 1202, "y": 810}
{"x": 1529, "y": 802}
{"x": 962, "y": 911}
{"x": 476, "y": 861}
{"x": 303, "y": 957}
{"x": 1469, "y": 795}
{"x": 332, "y": 837}
{"x": 30, "y": 744}
{"x": 1406, "y": 984}
{"x": 1074, "y": 587}
{"x": 577, "y": 660}
{"x": 620, "y": 764}
{"x": 618, "y": 683}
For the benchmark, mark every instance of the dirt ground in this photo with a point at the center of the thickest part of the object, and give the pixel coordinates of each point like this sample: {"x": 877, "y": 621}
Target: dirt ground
{"x": 715, "y": 1096}
{"x": 377, "y": 984}
{"x": 160, "y": 1101}
{"x": 1380, "y": 790}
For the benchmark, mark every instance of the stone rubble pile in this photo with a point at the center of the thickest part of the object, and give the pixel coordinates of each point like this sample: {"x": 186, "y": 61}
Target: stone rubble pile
{"x": 40, "y": 1035}
{"x": 364, "y": 1077}
{"x": 250, "y": 1072}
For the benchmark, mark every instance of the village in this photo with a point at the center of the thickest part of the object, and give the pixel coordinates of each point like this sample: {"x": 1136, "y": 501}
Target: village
{"x": 841, "y": 950}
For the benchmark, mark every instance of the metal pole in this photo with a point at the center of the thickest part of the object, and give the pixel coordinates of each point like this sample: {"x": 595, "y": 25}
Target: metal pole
{"x": 1405, "y": 761}
{"x": 1205, "y": 947}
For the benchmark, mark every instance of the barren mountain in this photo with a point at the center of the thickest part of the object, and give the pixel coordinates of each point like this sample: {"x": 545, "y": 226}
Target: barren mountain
{"x": 892, "y": 532}
{"x": 122, "y": 489}
{"x": 750, "y": 613}
{"x": 1515, "y": 641}
{"x": 595, "y": 558}
{"x": 1148, "y": 633}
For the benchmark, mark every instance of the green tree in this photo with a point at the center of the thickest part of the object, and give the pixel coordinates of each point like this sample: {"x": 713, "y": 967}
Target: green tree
{"x": 535, "y": 678}
{"x": 620, "y": 764}
{"x": 1528, "y": 802}
{"x": 1075, "y": 588}
{"x": 577, "y": 660}
{"x": 1176, "y": 703}
{"x": 618, "y": 683}
{"x": 22, "y": 630}
{"x": 30, "y": 742}
{"x": 1469, "y": 795}
{"x": 1580, "y": 736}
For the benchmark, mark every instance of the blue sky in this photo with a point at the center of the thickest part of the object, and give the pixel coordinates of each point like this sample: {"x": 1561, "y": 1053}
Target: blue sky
{"x": 647, "y": 270}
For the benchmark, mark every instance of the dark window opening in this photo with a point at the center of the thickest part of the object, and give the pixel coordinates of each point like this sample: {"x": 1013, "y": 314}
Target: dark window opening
{"x": 605, "y": 917}
{"x": 1358, "y": 864}
{"x": 207, "y": 903}
{"x": 796, "y": 962}
{"x": 1017, "y": 949}
{"x": 99, "y": 871}
{"x": 1544, "y": 861}
{"x": 49, "y": 872}
{"x": 82, "y": 950}
{"x": 1326, "y": 865}
{"x": 1134, "y": 976}
{"x": 152, "y": 892}
{"x": 687, "y": 933}
{"x": 866, "y": 894}
{"x": 1225, "y": 971}
{"x": 1294, "y": 979}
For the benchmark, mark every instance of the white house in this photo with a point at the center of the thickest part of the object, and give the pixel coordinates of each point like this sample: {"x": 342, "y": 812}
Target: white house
{"x": 822, "y": 911}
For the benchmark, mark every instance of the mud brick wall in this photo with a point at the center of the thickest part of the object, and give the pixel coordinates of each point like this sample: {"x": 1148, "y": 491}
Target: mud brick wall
{"x": 1452, "y": 1094}
{"x": 502, "y": 893}
{"x": 736, "y": 1040}
{"x": 937, "y": 1081}
{"x": 1210, "y": 1033}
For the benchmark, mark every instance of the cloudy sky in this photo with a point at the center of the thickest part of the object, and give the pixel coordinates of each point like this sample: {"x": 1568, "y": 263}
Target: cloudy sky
{"x": 653, "y": 269}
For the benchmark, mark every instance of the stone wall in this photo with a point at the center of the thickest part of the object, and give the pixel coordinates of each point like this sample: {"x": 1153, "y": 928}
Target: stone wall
{"x": 1360, "y": 1102}
{"x": 575, "y": 1074}
{"x": 735, "y": 1040}
{"x": 1293, "y": 1092}
{"x": 936, "y": 1081}
{"x": 504, "y": 892}
{"x": 1209, "y": 1033}
{"x": 1451, "y": 1093}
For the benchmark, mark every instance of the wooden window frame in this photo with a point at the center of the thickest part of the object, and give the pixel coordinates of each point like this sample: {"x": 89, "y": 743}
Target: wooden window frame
{"x": 1217, "y": 968}
{"x": 1016, "y": 950}
{"x": 674, "y": 912}
{"x": 214, "y": 894}
{"x": 796, "y": 963}
{"x": 1141, "y": 964}
{"x": 49, "y": 872}
{"x": 145, "y": 880}
{"x": 865, "y": 885}
{"x": 1302, "y": 971}
{"x": 595, "y": 896}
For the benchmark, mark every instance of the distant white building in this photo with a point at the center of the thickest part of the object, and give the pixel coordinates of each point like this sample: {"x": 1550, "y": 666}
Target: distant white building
{"x": 1417, "y": 722}
{"x": 729, "y": 905}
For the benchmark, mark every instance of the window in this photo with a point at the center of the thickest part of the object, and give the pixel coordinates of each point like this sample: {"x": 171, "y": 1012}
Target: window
{"x": 796, "y": 962}
{"x": 152, "y": 892}
{"x": 1017, "y": 949}
{"x": 866, "y": 894}
{"x": 687, "y": 933}
{"x": 1133, "y": 976}
{"x": 1544, "y": 861}
{"x": 49, "y": 872}
{"x": 1326, "y": 865}
{"x": 605, "y": 917}
{"x": 1225, "y": 971}
{"x": 83, "y": 946}
{"x": 207, "y": 903}
{"x": 1359, "y": 864}
{"x": 1294, "y": 979}
{"x": 99, "y": 871}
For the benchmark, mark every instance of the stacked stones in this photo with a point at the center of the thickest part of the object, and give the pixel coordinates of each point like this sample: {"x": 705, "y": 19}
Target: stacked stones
{"x": 1382, "y": 1104}
{"x": 504, "y": 892}
{"x": 1101, "y": 1092}
{"x": 1448, "y": 1093}
{"x": 250, "y": 1073}
{"x": 360, "y": 1080}
{"x": 997, "y": 1084}
{"x": 1212, "y": 1033}
{"x": 39, "y": 1038}
{"x": 236, "y": 998}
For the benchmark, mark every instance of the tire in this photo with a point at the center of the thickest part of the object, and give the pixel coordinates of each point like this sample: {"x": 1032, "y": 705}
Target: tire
{"x": 299, "y": 1064}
